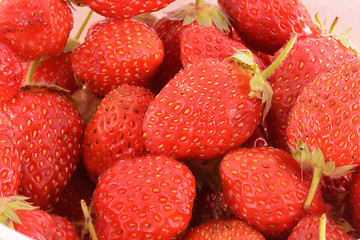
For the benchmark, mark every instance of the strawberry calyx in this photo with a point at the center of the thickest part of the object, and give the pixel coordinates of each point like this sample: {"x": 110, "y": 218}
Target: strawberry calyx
{"x": 204, "y": 14}
{"x": 342, "y": 37}
{"x": 8, "y": 206}
{"x": 260, "y": 87}
{"x": 315, "y": 161}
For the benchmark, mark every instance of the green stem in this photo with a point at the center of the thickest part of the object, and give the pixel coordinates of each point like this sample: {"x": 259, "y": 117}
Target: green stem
{"x": 31, "y": 71}
{"x": 83, "y": 25}
{"x": 314, "y": 185}
{"x": 322, "y": 227}
{"x": 88, "y": 220}
{"x": 200, "y": 3}
{"x": 333, "y": 25}
{"x": 268, "y": 71}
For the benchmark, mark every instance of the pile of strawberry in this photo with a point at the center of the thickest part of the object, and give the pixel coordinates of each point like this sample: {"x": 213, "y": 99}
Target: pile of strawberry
{"x": 234, "y": 121}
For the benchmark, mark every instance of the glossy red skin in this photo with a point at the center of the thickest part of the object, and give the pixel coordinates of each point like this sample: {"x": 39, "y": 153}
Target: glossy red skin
{"x": 309, "y": 58}
{"x": 308, "y": 229}
{"x": 149, "y": 196}
{"x": 266, "y": 25}
{"x": 10, "y": 165}
{"x": 224, "y": 229}
{"x": 47, "y": 129}
{"x": 11, "y": 73}
{"x": 115, "y": 131}
{"x": 208, "y": 42}
{"x": 266, "y": 187}
{"x": 196, "y": 119}
{"x": 354, "y": 198}
{"x": 121, "y": 51}
{"x": 36, "y": 224}
{"x": 64, "y": 229}
{"x": 125, "y": 9}
{"x": 325, "y": 115}
{"x": 40, "y": 29}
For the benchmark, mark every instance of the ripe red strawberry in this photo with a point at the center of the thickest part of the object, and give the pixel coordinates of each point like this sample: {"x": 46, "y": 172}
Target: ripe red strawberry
{"x": 324, "y": 125}
{"x": 316, "y": 227}
{"x": 56, "y": 70}
{"x": 149, "y": 197}
{"x": 11, "y": 73}
{"x": 41, "y": 28}
{"x": 115, "y": 131}
{"x": 36, "y": 224}
{"x": 64, "y": 229}
{"x": 224, "y": 229}
{"x": 124, "y": 8}
{"x": 170, "y": 29}
{"x": 118, "y": 51}
{"x": 204, "y": 112}
{"x": 47, "y": 129}
{"x": 208, "y": 42}
{"x": 266, "y": 187}
{"x": 309, "y": 58}
{"x": 266, "y": 25}
{"x": 354, "y": 198}
{"x": 10, "y": 165}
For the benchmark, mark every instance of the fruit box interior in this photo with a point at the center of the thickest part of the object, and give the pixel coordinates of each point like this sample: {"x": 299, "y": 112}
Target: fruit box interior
{"x": 346, "y": 10}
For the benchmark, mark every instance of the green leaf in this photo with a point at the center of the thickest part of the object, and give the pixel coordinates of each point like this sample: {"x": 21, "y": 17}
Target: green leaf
{"x": 318, "y": 158}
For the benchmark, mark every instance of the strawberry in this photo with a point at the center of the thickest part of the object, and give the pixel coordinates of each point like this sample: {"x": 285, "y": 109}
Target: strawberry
{"x": 266, "y": 187}
{"x": 224, "y": 229}
{"x": 47, "y": 130}
{"x": 64, "y": 229}
{"x": 10, "y": 165}
{"x": 21, "y": 216}
{"x": 316, "y": 227}
{"x": 210, "y": 107}
{"x": 208, "y": 42}
{"x": 117, "y": 52}
{"x": 331, "y": 102}
{"x": 124, "y": 9}
{"x": 56, "y": 70}
{"x": 148, "y": 197}
{"x": 36, "y": 224}
{"x": 41, "y": 28}
{"x": 115, "y": 131}
{"x": 323, "y": 124}
{"x": 170, "y": 29}
{"x": 267, "y": 25}
{"x": 200, "y": 114}
{"x": 309, "y": 58}
{"x": 11, "y": 73}
{"x": 354, "y": 197}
